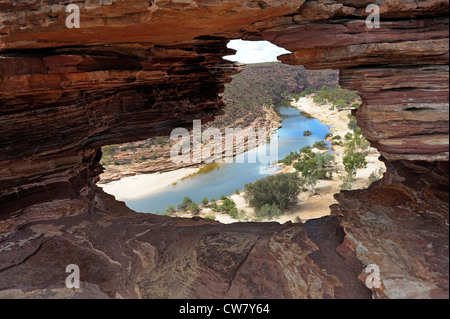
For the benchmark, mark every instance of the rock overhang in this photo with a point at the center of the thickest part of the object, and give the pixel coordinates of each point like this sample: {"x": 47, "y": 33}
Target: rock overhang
{"x": 137, "y": 69}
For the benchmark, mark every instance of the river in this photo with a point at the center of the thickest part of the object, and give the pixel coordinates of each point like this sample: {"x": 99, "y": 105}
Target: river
{"x": 225, "y": 179}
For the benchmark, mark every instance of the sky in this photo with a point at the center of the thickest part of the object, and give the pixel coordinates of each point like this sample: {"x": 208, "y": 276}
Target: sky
{"x": 254, "y": 51}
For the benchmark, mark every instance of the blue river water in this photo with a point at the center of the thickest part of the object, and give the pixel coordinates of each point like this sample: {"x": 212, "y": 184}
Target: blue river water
{"x": 224, "y": 179}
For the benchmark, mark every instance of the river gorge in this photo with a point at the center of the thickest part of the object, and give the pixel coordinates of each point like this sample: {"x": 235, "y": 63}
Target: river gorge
{"x": 139, "y": 69}
{"x": 224, "y": 179}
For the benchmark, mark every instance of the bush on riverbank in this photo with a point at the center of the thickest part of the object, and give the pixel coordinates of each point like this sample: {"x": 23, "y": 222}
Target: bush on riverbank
{"x": 269, "y": 212}
{"x": 278, "y": 190}
{"x": 338, "y": 97}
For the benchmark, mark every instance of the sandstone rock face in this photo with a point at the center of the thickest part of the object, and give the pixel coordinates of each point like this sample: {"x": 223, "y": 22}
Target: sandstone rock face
{"x": 122, "y": 254}
{"x": 137, "y": 69}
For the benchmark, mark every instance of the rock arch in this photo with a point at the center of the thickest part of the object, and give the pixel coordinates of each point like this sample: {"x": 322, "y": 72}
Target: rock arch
{"x": 136, "y": 69}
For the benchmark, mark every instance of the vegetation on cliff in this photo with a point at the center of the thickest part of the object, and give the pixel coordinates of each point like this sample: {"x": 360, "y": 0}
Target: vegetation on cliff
{"x": 265, "y": 85}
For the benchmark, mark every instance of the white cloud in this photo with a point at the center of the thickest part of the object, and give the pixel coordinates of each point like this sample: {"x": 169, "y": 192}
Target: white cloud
{"x": 254, "y": 51}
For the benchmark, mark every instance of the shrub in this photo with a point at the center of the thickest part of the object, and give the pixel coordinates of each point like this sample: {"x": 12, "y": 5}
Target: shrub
{"x": 307, "y": 150}
{"x": 353, "y": 162}
{"x": 210, "y": 217}
{"x": 154, "y": 155}
{"x": 307, "y": 133}
{"x": 223, "y": 197}
{"x": 307, "y": 91}
{"x": 313, "y": 168}
{"x": 324, "y": 160}
{"x": 276, "y": 189}
{"x": 110, "y": 150}
{"x": 106, "y": 161}
{"x": 234, "y": 212}
{"x": 353, "y": 124}
{"x": 242, "y": 215}
{"x": 322, "y": 145}
{"x": 187, "y": 201}
{"x": 269, "y": 212}
{"x": 288, "y": 160}
{"x": 228, "y": 205}
{"x": 205, "y": 201}
{"x": 348, "y": 137}
{"x": 334, "y": 143}
{"x": 194, "y": 208}
{"x": 340, "y": 104}
{"x": 171, "y": 209}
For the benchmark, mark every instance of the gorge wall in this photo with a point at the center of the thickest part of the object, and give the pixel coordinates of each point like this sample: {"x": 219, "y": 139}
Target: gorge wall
{"x": 137, "y": 69}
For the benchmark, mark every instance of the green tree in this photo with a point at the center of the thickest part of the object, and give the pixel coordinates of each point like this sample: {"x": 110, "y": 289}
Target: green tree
{"x": 312, "y": 171}
{"x": 187, "y": 201}
{"x": 324, "y": 161}
{"x": 205, "y": 201}
{"x": 353, "y": 162}
{"x": 276, "y": 189}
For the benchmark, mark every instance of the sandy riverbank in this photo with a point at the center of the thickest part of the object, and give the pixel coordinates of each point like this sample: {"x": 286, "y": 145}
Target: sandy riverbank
{"x": 309, "y": 206}
{"x": 139, "y": 186}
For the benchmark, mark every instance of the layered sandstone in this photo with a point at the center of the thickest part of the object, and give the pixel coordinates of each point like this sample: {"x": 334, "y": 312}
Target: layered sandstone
{"x": 137, "y": 69}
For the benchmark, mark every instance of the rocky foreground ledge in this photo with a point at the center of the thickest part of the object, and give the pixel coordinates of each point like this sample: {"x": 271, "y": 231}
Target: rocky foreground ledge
{"x": 137, "y": 69}
{"x": 123, "y": 254}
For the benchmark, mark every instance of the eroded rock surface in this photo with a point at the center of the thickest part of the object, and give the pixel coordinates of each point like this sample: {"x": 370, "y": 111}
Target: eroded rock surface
{"x": 137, "y": 69}
{"x": 122, "y": 254}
